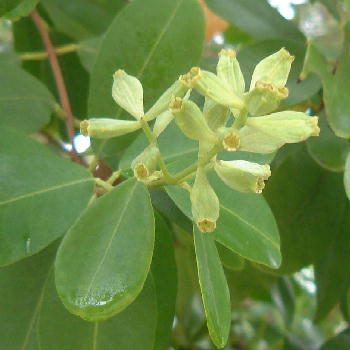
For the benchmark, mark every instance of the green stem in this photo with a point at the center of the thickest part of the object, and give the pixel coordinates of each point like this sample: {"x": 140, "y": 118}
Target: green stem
{"x": 153, "y": 141}
{"x": 103, "y": 184}
{"x": 38, "y": 56}
{"x": 113, "y": 177}
{"x": 241, "y": 119}
{"x": 184, "y": 174}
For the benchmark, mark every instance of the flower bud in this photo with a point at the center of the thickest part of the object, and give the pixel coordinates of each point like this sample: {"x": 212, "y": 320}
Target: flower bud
{"x": 273, "y": 69}
{"x": 243, "y": 176}
{"x": 265, "y": 98}
{"x": 205, "y": 203}
{"x": 145, "y": 163}
{"x": 229, "y": 71}
{"x": 176, "y": 90}
{"x": 209, "y": 85}
{"x": 128, "y": 93}
{"x": 107, "y": 127}
{"x": 288, "y": 125}
{"x": 162, "y": 121}
{"x": 216, "y": 115}
{"x": 191, "y": 120}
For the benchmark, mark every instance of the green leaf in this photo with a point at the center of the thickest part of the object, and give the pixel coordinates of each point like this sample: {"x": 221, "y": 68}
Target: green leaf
{"x": 145, "y": 51}
{"x": 33, "y": 316}
{"x": 41, "y": 195}
{"x": 256, "y": 18}
{"x": 339, "y": 342}
{"x": 25, "y": 103}
{"x": 213, "y": 284}
{"x": 282, "y": 293}
{"x": 164, "y": 274}
{"x": 22, "y": 10}
{"x": 21, "y": 292}
{"x": 328, "y": 150}
{"x": 230, "y": 259}
{"x": 8, "y": 5}
{"x": 87, "y": 51}
{"x": 250, "y": 55}
{"x": 104, "y": 259}
{"x": 246, "y": 224}
{"x": 82, "y": 19}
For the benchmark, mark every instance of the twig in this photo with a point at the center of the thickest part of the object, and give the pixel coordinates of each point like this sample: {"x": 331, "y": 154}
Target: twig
{"x": 37, "y": 56}
{"x": 61, "y": 88}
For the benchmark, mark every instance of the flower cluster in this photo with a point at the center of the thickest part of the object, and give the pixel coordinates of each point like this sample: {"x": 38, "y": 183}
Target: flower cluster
{"x": 231, "y": 119}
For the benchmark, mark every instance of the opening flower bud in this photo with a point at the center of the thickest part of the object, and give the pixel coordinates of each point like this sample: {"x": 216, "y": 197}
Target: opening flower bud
{"x": 191, "y": 120}
{"x": 229, "y": 71}
{"x": 243, "y": 176}
{"x": 265, "y": 98}
{"x": 145, "y": 163}
{"x": 128, "y": 93}
{"x": 205, "y": 203}
{"x": 273, "y": 69}
{"x": 209, "y": 85}
{"x": 107, "y": 127}
{"x": 176, "y": 90}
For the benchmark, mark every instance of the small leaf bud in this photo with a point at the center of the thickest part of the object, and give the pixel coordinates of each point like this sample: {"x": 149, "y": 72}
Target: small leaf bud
{"x": 243, "y": 176}
{"x": 205, "y": 203}
{"x": 176, "y": 90}
{"x": 273, "y": 69}
{"x": 209, "y": 85}
{"x": 265, "y": 98}
{"x": 145, "y": 163}
{"x": 191, "y": 120}
{"x": 107, "y": 127}
{"x": 128, "y": 93}
{"x": 229, "y": 71}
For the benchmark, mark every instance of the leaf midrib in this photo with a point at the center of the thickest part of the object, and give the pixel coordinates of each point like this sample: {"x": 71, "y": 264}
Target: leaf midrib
{"x": 49, "y": 189}
{"x": 250, "y": 225}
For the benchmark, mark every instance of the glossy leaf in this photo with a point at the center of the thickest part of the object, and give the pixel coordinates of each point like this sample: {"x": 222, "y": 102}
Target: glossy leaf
{"x": 161, "y": 36}
{"x": 328, "y": 150}
{"x": 246, "y": 224}
{"x": 213, "y": 284}
{"x": 256, "y": 18}
{"x": 25, "y": 103}
{"x": 83, "y": 18}
{"x": 33, "y": 316}
{"x": 230, "y": 259}
{"x": 41, "y": 195}
{"x": 113, "y": 243}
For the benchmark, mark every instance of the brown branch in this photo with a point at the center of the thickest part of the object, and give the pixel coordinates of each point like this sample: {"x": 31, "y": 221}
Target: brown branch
{"x": 61, "y": 88}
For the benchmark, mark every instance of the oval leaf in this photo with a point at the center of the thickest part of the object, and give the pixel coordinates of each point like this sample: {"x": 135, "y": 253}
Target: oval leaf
{"x": 104, "y": 259}
{"x": 214, "y": 289}
{"x": 41, "y": 195}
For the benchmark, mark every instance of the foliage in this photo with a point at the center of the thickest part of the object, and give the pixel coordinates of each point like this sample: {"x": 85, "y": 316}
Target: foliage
{"x": 157, "y": 235}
